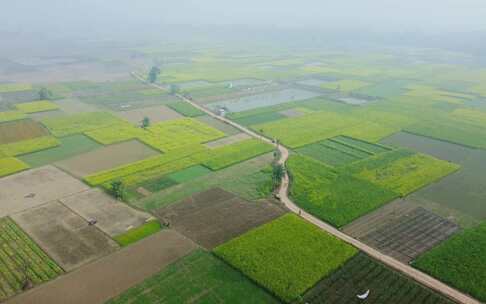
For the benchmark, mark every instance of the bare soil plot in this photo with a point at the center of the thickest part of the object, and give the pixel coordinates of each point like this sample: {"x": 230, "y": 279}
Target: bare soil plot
{"x": 64, "y": 235}
{"x": 35, "y": 187}
{"x": 106, "y": 158}
{"x": 74, "y": 106}
{"x": 20, "y": 130}
{"x": 112, "y": 216}
{"x": 402, "y": 231}
{"x": 101, "y": 280}
{"x": 227, "y": 140}
{"x": 215, "y": 216}
{"x": 155, "y": 114}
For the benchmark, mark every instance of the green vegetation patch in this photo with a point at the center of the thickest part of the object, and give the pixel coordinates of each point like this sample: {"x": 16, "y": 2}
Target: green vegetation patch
{"x": 69, "y": 146}
{"x": 185, "y": 109}
{"x": 459, "y": 261}
{"x": 189, "y": 174}
{"x": 401, "y": 171}
{"x": 231, "y": 154}
{"x": 10, "y": 165}
{"x": 196, "y": 278}
{"x": 79, "y": 123}
{"x": 287, "y": 256}
{"x": 21, "y": 260}
{"x": 29, "y": 146}
{"x": 11, "y": 115}
{"x": 36, "y": 106}
{"x": 14, "y": 87}
{"x": 362, "y": 273}
{"x": 333, "y": 196}
{"x": 345, "y": 85}
{"x": 259, "y": 118}
{"x": 136, "y": 234}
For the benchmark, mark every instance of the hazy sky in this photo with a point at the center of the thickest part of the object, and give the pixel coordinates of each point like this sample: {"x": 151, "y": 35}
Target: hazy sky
{"x": 376, "y": 15}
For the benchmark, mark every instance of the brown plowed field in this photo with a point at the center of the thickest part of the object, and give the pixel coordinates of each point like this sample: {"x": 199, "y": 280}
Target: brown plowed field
{"x": 20, "y": 130}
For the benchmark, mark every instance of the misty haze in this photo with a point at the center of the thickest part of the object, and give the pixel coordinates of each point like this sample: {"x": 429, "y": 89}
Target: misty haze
{"x": 297, "y": 152}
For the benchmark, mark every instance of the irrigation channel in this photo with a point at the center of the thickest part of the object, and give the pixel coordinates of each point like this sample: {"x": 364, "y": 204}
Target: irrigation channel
{"x": 413, "y": 273}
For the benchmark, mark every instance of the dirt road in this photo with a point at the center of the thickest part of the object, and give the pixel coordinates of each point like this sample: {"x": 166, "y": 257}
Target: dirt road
{"x": 283, "y": 193}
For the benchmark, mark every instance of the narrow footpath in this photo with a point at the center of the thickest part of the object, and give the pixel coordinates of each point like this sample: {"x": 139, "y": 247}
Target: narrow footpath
{"x": 411, "y": 272}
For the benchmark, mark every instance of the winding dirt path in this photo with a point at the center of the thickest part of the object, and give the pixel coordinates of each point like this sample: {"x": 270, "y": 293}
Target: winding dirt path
{"x": 409, "y": 271}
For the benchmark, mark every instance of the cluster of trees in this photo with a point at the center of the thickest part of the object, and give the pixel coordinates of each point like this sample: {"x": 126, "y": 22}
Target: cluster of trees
{"x": 153, "y": 74}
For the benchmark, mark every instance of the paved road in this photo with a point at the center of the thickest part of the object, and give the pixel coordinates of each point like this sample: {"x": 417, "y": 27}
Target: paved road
{"x": 283, "y": 193}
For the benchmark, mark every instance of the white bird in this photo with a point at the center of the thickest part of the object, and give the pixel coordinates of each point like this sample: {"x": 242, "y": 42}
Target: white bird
{"x": 364, "y": 295}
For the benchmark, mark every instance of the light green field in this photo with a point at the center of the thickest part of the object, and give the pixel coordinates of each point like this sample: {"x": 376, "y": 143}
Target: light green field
{"x": 11, "y": 115}
{"x": 287, "y": 256}
{"x": 29, "y": 145}
{"x": 197, "y": 278}
{"x": 36, "y": 106}
{"x": 136, "y": 234}
{"x": 10, "y": 165}
{"x": 345, "y": 85}
{"x": 79, "y": 123}
{"x": 14, "y": 87}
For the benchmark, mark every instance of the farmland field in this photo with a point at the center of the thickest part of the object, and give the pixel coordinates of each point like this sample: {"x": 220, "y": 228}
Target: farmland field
{"x": 29, "y": 145}
{"x": 232, "y": 139}
{"x": 20, "y": 130}
{"x": 325, "y": 192}
{"x": 362, "y": 273}
{"x": 36, "y": 106}
{"x": 345, "y": 85}
{"x": 79, "y": 123}
{"x": 189, "y": 174}
{"x": 185, "y": 109}
{"x": 198, "y": 276}
{"x": 215, "y": 216}
{"x": 459, "y": 261}
{"x": 64, "y": 235}
{"x": 69, "y": 147}
{"x": 21, "y": 260}
{"x": 155, "y": 114}
{"x": 136, "y": 234}
{"x": 14, "y": 87}
{"x": 11, "y": 115}
{"x": 10, "y": 165}
{"x": 287, "y": 256}
{"x": 401, "y": 171}
{"x": 219, "y": 125}
{"x": 465, "y": 185}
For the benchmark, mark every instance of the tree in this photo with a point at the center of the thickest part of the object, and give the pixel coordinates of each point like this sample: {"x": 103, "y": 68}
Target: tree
{"x": 278, "y": 172}
{"x": 173, "y": 89}
{"x": 153, "y": 74}
{"x": 44, "y": 94}
{"x": 145, "y": 122}
{"x": 117, "y": 189}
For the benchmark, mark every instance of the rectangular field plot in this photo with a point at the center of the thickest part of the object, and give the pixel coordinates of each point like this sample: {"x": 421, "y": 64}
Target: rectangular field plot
{"x": 36, "y": 106}
{"x": 113, "y": 217}
{"x": 463, "y": 190}
{"x": 35, "y": 187}
{"x": 29, "y": 145}
{"x": 185, "y": 109}
{"x": 79, "y": 123}
{"x": 64, "y": 235}
{"x": 101, "y": 280}
{"x": 259, "y": 118}
{"x": 361, "y": 273}
{"x": 406, "y": 236}
{"x": 333, "y": 196}
{"x": 107, "y": 157}
{"x": 262, "y": 100}
{"x": 19, "y": 130}
{"x": 11, "y": 165}
{"x": 188, "y": 174}
{"x": 198, "y": 276}
{"x": 219, "y": 125}
{"x": 287, "y": 256}
{"x": 22, "y": 261}
{"x": 341, "y": 150}
{"x": 11, "y": 116}
{"x": 69, "y": 147}
{"x": 401, "y": 171}
{"x": 459, "y": 261}
{"x": 155, "y": 114}
{"x": 215, "y": 216}
{"x": 227, "y": 140}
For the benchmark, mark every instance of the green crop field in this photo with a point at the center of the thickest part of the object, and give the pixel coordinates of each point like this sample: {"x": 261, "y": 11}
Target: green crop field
{"x": 250, "y": 180}
{"x": 69, "y": 146}
{"x": 345, "y": 85}
{"x": 401, "y": 171}
{"x": 459, "y": 261}
{"x": 333, "y": 196}
{"x": 189, "y": 174}
{"x": 29, "y": 145}
{"x": 287, "y": 256}
{"x": 136, "y": 234}
{"x": 196, "y": 278}
{"x": 231, "y": 154}
{"x": 10, "y": 165}
{"x": 362, "y": 273}
{"x": 79, "y": 123}
{"x": 259, "y": 118}
{"x": 11, "y": 115}
{"x": 115, "y": 133}
{"x": 14, "y": 87}
{"x": 185, "y": 109}
{"x": 36, "y": 106}
{"x": 19, "y": 252}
